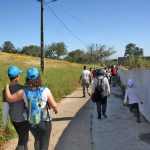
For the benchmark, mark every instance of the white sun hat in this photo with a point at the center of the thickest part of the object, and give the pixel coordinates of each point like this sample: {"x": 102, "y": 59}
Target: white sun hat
{"x": 130, "y": 82}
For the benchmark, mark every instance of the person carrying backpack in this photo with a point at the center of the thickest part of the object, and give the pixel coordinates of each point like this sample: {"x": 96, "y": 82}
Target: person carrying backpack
{"x": 101, "y": 89}
{"x": 37, "y": 99}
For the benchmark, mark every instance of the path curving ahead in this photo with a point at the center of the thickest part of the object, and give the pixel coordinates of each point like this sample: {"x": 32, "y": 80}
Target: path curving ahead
{"x": 76, "y": 126}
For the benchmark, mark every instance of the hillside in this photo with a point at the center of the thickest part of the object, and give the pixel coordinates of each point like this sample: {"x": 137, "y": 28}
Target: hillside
{"x": 15, "y": 58}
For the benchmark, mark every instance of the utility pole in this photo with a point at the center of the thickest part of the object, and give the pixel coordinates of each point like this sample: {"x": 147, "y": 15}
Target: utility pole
{"x": 42, "y": 38}
{"x": 42, "y": 35}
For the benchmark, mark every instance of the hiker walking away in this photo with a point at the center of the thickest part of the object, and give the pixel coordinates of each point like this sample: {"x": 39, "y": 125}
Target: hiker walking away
{"x": 132, "y": 98}
{"x": 37, "y": 99}
{"x": 102, "y": 89}
{"x": 85, "y": 77}
{"x": 107, "y": 74}
{"x": 93, "y": 74}
{"x": 16, "y": 109}
{"x": 113, "y": 75}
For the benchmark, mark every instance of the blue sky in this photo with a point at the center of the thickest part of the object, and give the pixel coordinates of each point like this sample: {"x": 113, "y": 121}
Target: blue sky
{"x": 113, "y": 23}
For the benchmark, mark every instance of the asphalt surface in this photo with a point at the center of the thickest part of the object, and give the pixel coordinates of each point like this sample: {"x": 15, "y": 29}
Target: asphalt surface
{"x": 76, "y": 126}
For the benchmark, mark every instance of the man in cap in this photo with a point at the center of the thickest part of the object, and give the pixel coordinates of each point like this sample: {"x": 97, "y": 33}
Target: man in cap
{"x": 16, "y": 110}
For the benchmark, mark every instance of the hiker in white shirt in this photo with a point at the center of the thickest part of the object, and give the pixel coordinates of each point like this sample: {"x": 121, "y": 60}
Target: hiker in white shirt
{"x": 85, "y": 77}
{"x": 132, "y": 98}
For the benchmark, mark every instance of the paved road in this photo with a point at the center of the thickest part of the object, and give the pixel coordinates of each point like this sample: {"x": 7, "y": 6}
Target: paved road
{"x": 76, "y": 126}
{"x": 118, "y": 132}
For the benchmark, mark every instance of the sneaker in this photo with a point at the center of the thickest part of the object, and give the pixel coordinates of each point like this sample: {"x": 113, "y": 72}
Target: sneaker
{"x": 105, "y": 115}
{"x": 99, "y": 117}
{"x": 138, "y": 120}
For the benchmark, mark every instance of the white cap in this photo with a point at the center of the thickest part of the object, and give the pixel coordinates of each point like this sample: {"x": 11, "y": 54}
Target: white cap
{"x": 130, "y": 82}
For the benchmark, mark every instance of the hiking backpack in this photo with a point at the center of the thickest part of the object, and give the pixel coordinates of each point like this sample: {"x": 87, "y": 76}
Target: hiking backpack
{"x": 34, "y": 110}
{"x": 99, "y": 93}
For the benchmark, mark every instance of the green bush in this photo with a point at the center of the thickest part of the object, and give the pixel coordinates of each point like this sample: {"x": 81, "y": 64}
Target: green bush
{"x": 138, "y": 62}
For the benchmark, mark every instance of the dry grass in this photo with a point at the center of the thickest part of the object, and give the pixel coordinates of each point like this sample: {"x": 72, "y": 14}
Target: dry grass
{"x": 29, "y": 60}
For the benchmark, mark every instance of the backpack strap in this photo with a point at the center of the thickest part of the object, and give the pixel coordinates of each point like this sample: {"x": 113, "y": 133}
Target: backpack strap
{"x": 100, "y": 80}
{"x": 42, "y": 88}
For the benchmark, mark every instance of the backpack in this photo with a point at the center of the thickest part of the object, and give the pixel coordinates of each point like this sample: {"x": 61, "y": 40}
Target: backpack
{"x": 99, "y": 93}
{"x": 34, "y": 110}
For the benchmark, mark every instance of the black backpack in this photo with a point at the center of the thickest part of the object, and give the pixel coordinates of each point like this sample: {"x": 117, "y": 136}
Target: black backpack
{"x": 99, "y": 93}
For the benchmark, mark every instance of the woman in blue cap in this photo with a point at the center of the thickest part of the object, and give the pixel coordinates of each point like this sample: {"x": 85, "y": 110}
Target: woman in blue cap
{"x": 41, "y": 130}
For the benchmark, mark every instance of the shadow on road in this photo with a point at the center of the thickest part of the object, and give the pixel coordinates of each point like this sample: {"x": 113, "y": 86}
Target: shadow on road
{"x": 145, "y": 137}
{"x": 72, "y": 97}
{"x": 63, "y": 119}
{"x": 73, "y": 136}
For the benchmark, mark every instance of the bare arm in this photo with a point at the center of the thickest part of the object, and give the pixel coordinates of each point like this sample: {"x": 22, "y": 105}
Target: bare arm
{"x": 52, "y": 102}
{"x": 17, "y": 96}
{"x": 80, "y": 78}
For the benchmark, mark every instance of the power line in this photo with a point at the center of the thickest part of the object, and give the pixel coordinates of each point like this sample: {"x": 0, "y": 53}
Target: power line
{"x": 89, "y": 25}
{"x": 65, "y": 26}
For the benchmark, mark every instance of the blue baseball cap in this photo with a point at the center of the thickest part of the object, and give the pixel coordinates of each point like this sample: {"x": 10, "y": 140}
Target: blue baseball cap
{"x": 13, "y": 71}
{"x": 32, "y": 73}
{"x": 101, "y": 71}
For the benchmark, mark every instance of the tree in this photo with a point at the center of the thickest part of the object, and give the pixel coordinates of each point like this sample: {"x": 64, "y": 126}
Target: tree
{"x": 56, "y": 50}
{"x": 8, "y": 47}
{"x": 132, "y": 50}
{"x": 99, "y": 52}
{"x": 75, "y": 56}
{"x": 138, "y": 51}
{"x": 91, "y": 52}
{"x": 31, "y": 50}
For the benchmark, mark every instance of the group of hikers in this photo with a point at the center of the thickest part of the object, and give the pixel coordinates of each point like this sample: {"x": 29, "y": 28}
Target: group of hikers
{"x": 102, "y": 79}
{"x": 28, "y": 105}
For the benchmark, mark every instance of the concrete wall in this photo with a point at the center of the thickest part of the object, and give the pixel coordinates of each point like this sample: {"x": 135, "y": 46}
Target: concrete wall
{"x": 142, "y": 84}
